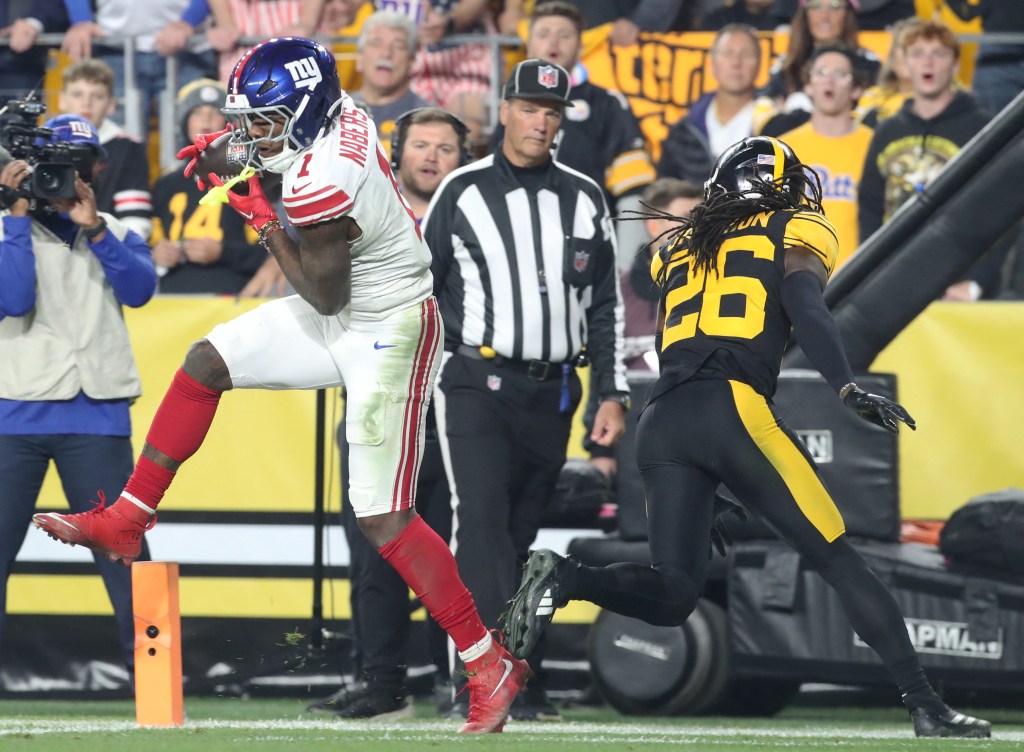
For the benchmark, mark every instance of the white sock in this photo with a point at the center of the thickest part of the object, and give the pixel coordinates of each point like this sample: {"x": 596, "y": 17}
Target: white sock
{"x": 129, "y": 498}
{"x": 477, "y": 649}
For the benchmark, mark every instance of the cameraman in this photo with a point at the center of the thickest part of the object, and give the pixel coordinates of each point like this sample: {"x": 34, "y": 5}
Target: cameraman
{"x": 67, "y": 374}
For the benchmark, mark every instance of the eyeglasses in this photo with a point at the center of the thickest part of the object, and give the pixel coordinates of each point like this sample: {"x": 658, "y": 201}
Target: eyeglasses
{"x": 938, "y": 53}
{"x": 835, "y": 75}
{"x": 833, "y": 4}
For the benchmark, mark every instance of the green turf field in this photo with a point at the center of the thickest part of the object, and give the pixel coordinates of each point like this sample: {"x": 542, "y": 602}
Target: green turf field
{"x": 215, "y": 724}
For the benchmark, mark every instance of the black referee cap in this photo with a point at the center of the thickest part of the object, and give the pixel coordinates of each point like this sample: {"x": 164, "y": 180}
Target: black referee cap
{"x": 539, "y": 79}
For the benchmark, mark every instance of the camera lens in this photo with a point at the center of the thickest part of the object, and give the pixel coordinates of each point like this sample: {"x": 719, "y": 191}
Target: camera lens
{"x": 53, "y": 180}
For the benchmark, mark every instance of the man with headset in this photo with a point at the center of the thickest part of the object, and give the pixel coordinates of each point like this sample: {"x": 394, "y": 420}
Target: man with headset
{"x": 427, "y": 143}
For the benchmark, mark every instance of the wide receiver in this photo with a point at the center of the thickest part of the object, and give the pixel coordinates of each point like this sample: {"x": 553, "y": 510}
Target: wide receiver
{"x": 364, "y": 317}
{"x": 738, "y": 273}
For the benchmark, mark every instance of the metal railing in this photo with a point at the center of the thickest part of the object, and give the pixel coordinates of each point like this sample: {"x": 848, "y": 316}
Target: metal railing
{"x": 167, "y": 120}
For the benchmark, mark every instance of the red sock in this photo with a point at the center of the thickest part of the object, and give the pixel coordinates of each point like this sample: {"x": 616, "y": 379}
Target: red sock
{"x": 148, "y": 483}
{"x": 178, "y": 429}
{"x": 426, "y": 564}
{"x": 183, "y": 418}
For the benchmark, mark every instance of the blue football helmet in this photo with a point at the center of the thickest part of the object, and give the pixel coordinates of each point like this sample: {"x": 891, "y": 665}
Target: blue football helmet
{"x": 288, "y": 76}
{"x": 759, "y": 157}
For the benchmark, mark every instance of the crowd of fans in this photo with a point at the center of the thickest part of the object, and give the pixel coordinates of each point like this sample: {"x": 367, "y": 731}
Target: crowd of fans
{"x": 402, "y": 60}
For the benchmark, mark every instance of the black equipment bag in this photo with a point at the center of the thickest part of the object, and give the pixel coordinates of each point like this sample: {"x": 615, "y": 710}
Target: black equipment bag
{"x": 785, "y": 621}
{"x": 987, "y": 531}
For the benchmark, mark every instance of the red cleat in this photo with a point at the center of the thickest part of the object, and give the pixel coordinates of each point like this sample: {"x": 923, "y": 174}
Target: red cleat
{"x": 494, "y": 681}
{"x": 115, "y": 532}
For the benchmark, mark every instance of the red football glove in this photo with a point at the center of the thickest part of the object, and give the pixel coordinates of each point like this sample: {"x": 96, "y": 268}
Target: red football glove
{"x": 255, "y": 208}
{"x": 192, "y": 152}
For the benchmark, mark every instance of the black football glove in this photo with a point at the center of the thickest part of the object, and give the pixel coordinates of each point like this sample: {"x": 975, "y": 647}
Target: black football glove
{"x": 878, "y": 410}
{"x": 720, "y": 537}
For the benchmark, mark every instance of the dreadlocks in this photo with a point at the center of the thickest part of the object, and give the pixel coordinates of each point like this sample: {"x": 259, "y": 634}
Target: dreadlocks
{"x": 798, "y": 187}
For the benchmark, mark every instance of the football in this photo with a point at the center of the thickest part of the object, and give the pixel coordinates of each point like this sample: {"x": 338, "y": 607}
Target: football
{"x": 225, "y": 159}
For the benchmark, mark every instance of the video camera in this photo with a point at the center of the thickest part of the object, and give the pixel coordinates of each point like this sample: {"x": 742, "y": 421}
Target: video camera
{"x": 54, "y": 163}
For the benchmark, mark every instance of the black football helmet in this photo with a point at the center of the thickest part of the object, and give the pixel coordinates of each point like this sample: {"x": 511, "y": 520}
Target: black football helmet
{"x": 754, "y": 157}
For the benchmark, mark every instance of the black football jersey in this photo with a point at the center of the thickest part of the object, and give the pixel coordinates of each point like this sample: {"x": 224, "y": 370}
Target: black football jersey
{"x": 730, "y": 323}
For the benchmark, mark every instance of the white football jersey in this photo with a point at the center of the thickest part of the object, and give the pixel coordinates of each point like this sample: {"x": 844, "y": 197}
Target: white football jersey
{"x": 346, "y": 174}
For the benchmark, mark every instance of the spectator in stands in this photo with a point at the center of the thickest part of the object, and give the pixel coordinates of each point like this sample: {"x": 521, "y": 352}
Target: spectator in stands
{"x": 22, "y": 62}
{"x": 871, "y": 14}
{"x": 234, "y": 20}
{"x": 885, "y": 98}
{"x": 600, "y": 136}
{"x": 67, "y": 375}
{"x": 674, "y": 199}
{"x": 385, "y": 53}
{"x": 998, "y": 67}
{"x": 629, "y": 17}
{"x": 338, "y": 14}
{"x": 121, "y": 178}
{"x": 816, "y": 22}
{"x": 910, "y": 148}
{"x": 763, "y": 15}
{"x": 345, "y": 18}
{"x": 456, "y": 78}
{"x": 159, "y": 29}
{"x": 834, "y": 143}
{"x": 200, "y": 249}
{"x": 721, "y": 118}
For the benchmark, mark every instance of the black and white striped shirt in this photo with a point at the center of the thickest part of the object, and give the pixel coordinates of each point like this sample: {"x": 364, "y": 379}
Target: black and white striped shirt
{"x": 528, "y": 267}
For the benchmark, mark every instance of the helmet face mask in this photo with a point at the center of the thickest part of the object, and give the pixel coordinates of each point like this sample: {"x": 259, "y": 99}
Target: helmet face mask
{"x": 277, "y": 131}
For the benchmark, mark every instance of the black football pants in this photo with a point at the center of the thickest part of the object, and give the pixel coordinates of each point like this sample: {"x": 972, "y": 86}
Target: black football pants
{"x": 700, "y": 434}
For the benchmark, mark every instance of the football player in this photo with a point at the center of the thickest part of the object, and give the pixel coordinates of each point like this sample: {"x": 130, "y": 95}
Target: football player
{"x": 364, "y": 317}
{"x": 736, "y": 275}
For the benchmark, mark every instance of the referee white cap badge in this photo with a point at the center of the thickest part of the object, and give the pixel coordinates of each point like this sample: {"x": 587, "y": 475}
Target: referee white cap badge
{"x": 539, "y": 79}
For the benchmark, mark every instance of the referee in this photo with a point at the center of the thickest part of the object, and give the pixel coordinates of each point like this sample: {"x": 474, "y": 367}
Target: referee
{"x": 600, "y": 135}
{"x": 524, "y": 270}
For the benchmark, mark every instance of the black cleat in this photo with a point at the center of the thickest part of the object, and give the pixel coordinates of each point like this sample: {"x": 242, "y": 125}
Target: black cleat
{"x": 532, "y": 607}
{"x": 533, "y": 705}
{"x": 366, "y": 700}
{"x": 949, "y": 723}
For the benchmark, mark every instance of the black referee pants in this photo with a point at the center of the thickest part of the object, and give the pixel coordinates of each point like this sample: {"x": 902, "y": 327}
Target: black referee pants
{"x": 504, "y": 439}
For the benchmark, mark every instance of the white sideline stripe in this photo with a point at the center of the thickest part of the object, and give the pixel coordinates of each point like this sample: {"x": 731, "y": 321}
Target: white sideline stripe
{"x": 283, "y": 545}
{"x": 603, "y": 732}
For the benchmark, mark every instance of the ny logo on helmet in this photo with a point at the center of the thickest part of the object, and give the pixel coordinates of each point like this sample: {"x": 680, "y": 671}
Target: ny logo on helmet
{"x": 305, "y": 72}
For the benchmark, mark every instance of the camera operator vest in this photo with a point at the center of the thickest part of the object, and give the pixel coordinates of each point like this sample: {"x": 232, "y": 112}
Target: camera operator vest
{"x": 74, "y": 339}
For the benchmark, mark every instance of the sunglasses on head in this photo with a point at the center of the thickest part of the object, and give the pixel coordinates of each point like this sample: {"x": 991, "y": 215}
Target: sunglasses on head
{"x": 833, "y": 4}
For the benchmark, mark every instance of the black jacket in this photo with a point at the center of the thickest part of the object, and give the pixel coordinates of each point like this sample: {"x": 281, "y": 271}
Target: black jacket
{"x": 906, "y": 153}
{"x": 33, "y": 61}
{"x": 686, "y": 151}
{"x": 178, "y": 216}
